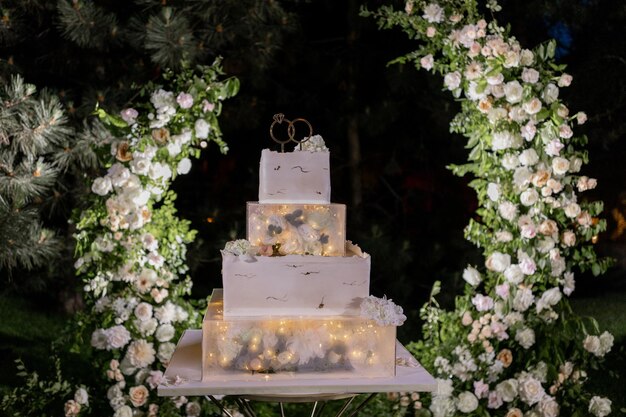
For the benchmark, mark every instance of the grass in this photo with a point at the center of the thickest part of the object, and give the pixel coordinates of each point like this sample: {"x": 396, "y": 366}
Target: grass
{"x": 26, "y": 331}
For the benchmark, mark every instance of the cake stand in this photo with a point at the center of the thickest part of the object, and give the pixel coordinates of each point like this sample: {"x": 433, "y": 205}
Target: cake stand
{"x": 183, "y": 376}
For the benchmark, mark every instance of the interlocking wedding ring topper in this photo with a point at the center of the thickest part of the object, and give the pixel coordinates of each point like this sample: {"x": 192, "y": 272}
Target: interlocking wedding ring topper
{"x": 291, "y": 131}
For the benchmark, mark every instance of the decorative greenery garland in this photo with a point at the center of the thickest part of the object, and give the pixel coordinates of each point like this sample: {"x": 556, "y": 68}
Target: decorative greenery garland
{"x": 132, "y": 247}
{"x": 512, "y": 346}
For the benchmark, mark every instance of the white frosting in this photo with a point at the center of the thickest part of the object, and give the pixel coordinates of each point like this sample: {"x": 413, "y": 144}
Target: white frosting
{"x": 297, "y": 285}
{"x": 294, "y": 177}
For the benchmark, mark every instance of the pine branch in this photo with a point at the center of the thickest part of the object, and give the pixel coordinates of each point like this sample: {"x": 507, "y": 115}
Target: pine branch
{"x": 169, "y": 39}
{"x": 86, "y": 24}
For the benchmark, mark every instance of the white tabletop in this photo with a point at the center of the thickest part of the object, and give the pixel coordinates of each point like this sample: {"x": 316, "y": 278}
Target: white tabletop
{"x": 184, "y": 377}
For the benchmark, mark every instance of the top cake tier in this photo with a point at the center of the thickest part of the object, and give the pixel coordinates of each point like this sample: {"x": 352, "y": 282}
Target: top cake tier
{"x": 301, "y": 176}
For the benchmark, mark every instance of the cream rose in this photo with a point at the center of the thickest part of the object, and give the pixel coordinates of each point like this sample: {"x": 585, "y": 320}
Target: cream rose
{"x": 507, "y": 389}
{"x": 560, "y": 165}
{"x": 528, "y": 157}
{"x": 123, "y": 411}
{"x": 514, "y": 412}
{"x": 498, "y": 261}
{"x": 530, "y": 389}
{"x": 513, "y": 91}
{"x": 529, "y": 197}
{"x": 467, "y": 402}
{"x": 72, "y": 408}
{"x": 532, "y": 106}
{"x": 138, "y": 395}
{"x": 507, "y": 210}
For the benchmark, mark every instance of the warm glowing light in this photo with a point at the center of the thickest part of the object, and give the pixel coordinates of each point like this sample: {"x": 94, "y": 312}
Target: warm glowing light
{"x": 210, "y": 219}
{"x": 594, "y": 239}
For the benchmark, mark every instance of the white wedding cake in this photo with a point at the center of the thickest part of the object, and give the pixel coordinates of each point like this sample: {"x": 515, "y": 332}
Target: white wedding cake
{"x": 295, "y": 295}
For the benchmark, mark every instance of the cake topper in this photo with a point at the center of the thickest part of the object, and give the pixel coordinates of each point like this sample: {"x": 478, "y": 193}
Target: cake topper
{"x": 291, "y": 130}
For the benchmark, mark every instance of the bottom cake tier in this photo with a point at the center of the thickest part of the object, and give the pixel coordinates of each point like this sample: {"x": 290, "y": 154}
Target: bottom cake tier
{"x": 324, "y": 346}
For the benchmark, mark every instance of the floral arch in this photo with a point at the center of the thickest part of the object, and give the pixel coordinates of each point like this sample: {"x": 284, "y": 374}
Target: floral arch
{"x": 511, "y": 347}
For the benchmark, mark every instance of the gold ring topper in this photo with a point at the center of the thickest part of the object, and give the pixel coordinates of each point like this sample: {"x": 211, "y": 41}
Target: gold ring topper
{"x": 291, "y": 131}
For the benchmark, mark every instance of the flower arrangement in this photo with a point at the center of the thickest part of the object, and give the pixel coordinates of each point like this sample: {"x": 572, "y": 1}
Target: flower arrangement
{"x": 131, "y": 246}
{"x": 512, "y": 346}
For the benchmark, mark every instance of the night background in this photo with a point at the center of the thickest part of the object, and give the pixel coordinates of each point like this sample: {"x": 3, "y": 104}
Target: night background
{"x": 387, "y": 127}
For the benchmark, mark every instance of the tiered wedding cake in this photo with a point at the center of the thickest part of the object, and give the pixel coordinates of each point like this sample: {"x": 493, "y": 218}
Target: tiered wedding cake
{"x": 296, "y": 293}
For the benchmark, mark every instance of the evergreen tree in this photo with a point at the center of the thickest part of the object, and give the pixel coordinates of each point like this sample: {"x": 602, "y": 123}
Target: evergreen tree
{"x": 32, "y": 127}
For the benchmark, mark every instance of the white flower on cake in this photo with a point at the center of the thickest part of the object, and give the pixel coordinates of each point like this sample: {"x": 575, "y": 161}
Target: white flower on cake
{"x": 314, "y": 144}
{"x": 382, "y": 310}
{"x": 240, "y": 247}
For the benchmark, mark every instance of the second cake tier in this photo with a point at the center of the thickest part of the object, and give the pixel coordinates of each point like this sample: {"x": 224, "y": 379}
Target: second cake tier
{"x": 295, "y": 285}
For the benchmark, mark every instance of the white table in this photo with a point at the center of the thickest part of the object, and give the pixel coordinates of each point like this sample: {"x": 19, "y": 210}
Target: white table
{"x": 183, "y": 376}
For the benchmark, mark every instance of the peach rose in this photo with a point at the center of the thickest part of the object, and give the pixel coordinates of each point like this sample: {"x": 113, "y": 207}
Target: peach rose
{"x": 506, "y": 357}
{"x": 138, "y": 395}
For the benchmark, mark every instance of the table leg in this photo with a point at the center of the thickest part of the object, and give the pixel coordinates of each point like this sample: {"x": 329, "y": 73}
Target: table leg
{"x": 345, "y": 406}
{"x": 219, "y": 405}
{"x": 314, "y": 407}
{"x": 320, "y": 410}
{"x": 245, "y": 407}
{"x": 360, "y": 407}
{"x": 282, "y": 409}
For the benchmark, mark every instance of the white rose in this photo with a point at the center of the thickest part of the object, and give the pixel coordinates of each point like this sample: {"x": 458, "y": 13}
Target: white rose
{"x": 549, "y": 298}
{"x": 548, "y": 407}
{"x": 606, "y": 342}
{"x": 529, "y": 157}
{"x": 117, "y": 337}
{"x": 123, "y": 411}
{"x": 102, "y": 186}
{"x": 532, "y": 106}
{"x": 81, "y": 396}
{"x": 482, "y": 302}
{"x": 173, "y": 148}
{"x": 427, "y": 62}
{"x": 514, "y": 274}
{"x": 572, "y": 210}
{"x": 493, "y": 191}
{"x": 202, "y": 128}
{"x": 193, "y": 409}
{"x": 495, "y": 79}
{"x": 530, "y": 390}
{"x": 472, "y": 276}
{"x": 529, "y": 197}
{"x": 592, "y": 344}
{"x": 565, "y": 131}
{"x": 507, "y": 210}
{"x": 166, "y": 350}
{"x": 527, "y": 57}
{"x": 99, "y": 339}
{"x": 146, "y": 327}
{"x": 510, "y": 161}
{"x": 467, "y": 402}
{"x": 526, "y": 338}
{"x": 184, "y": 166}
{"x": 581, "y": 117}
{"x": 513, "y": 91}
{"x": 530, "y": 75}
{"x": 560, "y": 165}
{"x": 433, "y": 13}
{"x": 143, "y": 311}
{"x": 523, "y": 299}
{"x": 452, "y": 80}
{"x": 501, "y": 140}
{"x": 511, "y": 59}
{"x": 550, "y": 93}
{"x": 165, "y": 333}
{"x": 522, "y": 177}
{"x": 600, "y": 407}
{"x": 498, "y": 261}
{"x": 565, "y": 80}
{"x": 528, "y": 131}
{"x": 507, "y": 389}
{"x": 140, "y": 166}
{"x": 575, "y": 164}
